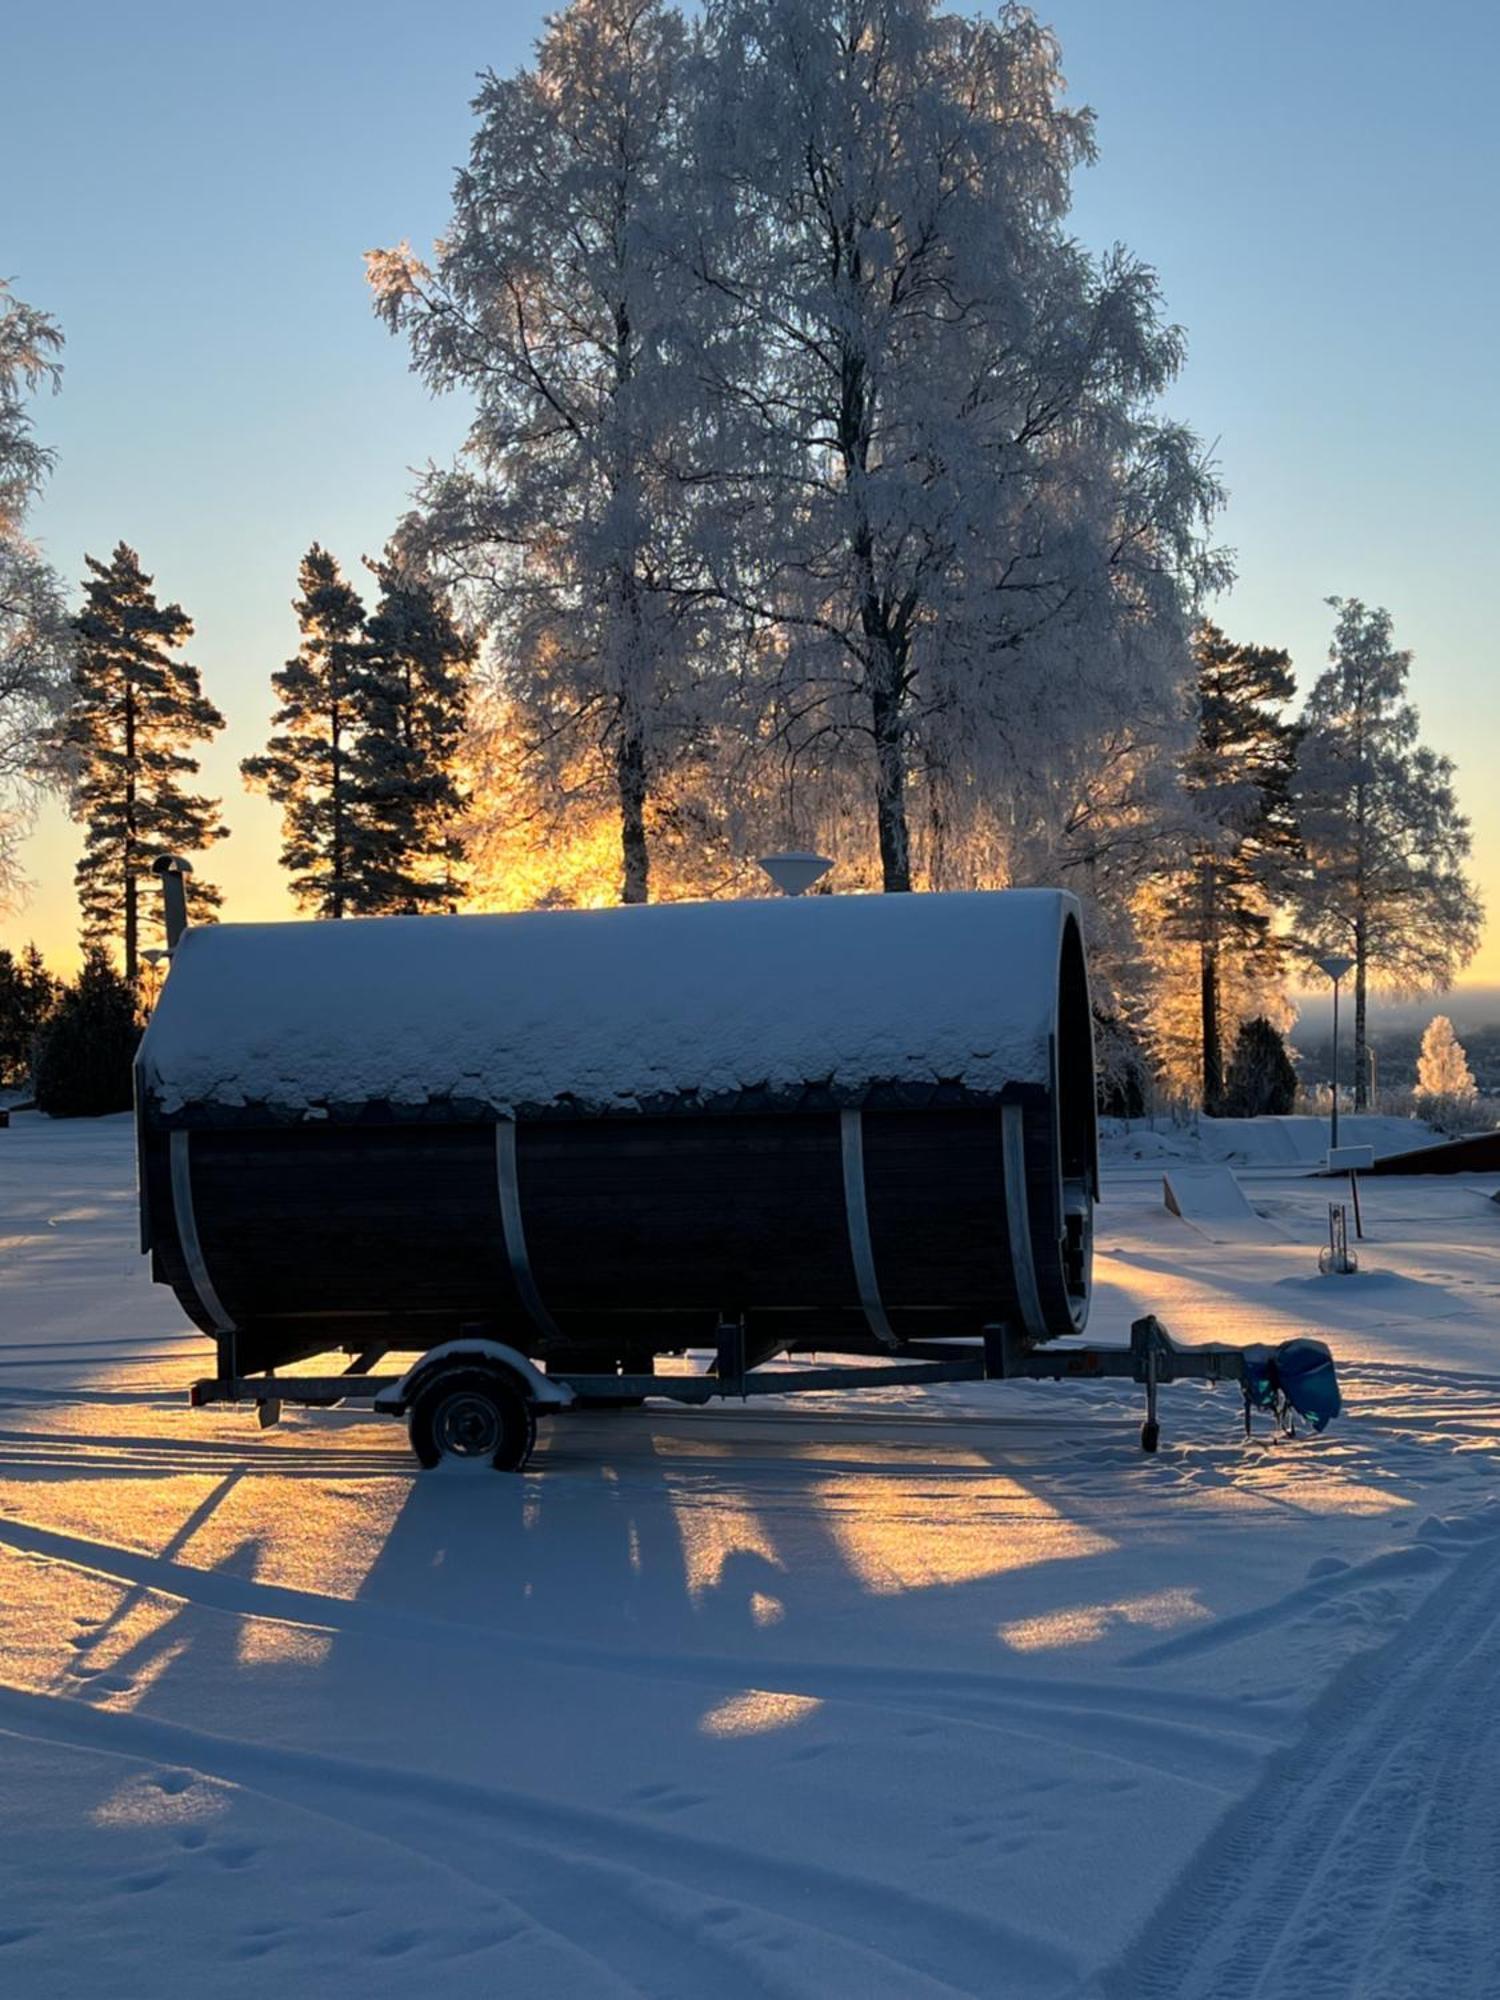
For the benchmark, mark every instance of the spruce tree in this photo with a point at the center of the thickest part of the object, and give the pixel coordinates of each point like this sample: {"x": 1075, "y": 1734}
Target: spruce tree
{"x": 1238, "y": 777}
{"x": 1261, "y": 1082}
{"x": 310, "y": 764}
{"x": 28, "y": 994}
{"x": 1386, "y": 843}
{"x": 413, "y": 688}
{"x": 85, "y": 1053}
{"x": 133, "y": 712}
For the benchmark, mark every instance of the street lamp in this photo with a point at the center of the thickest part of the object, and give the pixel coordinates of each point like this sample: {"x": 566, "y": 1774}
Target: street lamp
{"x": 1334, "y": 967}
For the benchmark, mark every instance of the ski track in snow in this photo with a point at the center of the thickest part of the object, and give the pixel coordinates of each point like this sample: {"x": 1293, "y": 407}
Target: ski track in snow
{"x": 918, "y": 1695}
{"x": 1365, "y": 1864}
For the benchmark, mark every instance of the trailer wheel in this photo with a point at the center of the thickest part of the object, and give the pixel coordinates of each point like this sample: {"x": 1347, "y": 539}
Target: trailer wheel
{"x": 473, "y": 1416}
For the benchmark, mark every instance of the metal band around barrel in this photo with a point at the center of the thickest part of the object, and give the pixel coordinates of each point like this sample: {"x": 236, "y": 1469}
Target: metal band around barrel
{"x": 515, "y": 1230}
{"x": 1018, "y": 1220}
{"x": 856, "y": 1208}
{"x": 187, "y": 1232}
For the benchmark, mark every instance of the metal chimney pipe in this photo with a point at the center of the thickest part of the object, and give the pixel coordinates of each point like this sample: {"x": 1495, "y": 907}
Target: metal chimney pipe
{"x": 174, "y": 872}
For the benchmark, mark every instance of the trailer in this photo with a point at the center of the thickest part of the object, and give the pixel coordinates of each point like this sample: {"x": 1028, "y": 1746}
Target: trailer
{"x": 479, "y": 1401}
{"x": 532, "y": 1155}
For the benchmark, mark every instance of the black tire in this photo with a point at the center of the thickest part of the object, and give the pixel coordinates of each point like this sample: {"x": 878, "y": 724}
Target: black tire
{"x": 472, "y": 1414}
{"x": 1150, "y": 1435}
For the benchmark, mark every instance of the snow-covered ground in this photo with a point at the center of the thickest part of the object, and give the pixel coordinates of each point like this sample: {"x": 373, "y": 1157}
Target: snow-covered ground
{"x": 916, "y": 1694}
{"x": 1258, "y": 1142}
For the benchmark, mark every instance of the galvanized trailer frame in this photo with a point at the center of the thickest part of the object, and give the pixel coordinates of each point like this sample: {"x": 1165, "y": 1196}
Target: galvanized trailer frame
{"x": 1152, "y": 1359}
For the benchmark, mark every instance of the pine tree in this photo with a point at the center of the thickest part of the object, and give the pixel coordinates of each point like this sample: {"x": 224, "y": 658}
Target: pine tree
{"x": 1261, "y": 1082}
{"x": 133, "y": 712}
{"x": 310, "y": 764}
{"x": 1238, "y": 779}
{"x": 1386, "y": 843}
{"x": 413, "y": 691}
{"x": 1442, "y": 1067}
{"x": 28, "y": 994}
{"x": 84, "y": 1055}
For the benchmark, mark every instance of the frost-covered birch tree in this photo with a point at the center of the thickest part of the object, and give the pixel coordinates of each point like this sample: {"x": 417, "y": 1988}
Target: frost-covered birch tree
{"x": 1386, "y": 880}
{"x": 556, "y": 299}
{"x": 1442, "y": 1067}
{"x": 963, "y": 514}
{"x": 34, "y": 633}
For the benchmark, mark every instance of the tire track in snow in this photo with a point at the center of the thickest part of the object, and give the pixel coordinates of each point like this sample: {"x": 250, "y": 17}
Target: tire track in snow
{"x": 1418, "y": 1559}
{"x": 1134, "y": 1725}
{"x": 1366, "y": 1863}
{"x": 671, "y": 1899}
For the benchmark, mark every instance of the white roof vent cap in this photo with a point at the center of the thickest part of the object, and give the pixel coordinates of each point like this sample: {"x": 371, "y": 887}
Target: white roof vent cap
{"x": 794, "y": 874}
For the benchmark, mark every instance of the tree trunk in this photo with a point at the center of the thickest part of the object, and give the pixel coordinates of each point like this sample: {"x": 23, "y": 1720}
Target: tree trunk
{"x": 336, "y": 802}
{"x": 132, "y": 907}
{"x": 1361, "y": 1048}
{"x": 628, "y": 643}
{"x": 890, "y": 789}
{"x": 630, "y": 783}
{"x": 1361, "y": 922}
{"x": 885, "y": 641}
{"x": 1213, "y": 1054}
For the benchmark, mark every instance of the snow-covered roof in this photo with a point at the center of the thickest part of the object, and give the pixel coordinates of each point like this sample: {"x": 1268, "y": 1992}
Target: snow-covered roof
{"x": 611, "y": 1010}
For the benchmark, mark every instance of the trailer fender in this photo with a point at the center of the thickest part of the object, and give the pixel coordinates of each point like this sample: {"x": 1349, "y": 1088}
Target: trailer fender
{"x": 529, "y": 1379}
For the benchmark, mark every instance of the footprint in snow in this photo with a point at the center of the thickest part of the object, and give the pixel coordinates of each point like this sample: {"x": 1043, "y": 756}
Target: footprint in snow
{"x": 396, "y": 1943}
{"x": 664, "y": 1798}
{"x": 1325, "y": 1566}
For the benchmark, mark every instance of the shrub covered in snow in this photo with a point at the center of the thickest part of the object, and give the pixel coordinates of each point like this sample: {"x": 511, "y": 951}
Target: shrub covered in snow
{"x": 1446, "y": 1095}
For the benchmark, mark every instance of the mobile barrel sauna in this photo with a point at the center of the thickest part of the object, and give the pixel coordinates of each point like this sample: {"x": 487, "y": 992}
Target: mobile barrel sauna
{"x": 850, "y": 1124}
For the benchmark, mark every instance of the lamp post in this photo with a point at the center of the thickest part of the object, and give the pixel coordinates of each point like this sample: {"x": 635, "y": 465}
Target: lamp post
{"x": 1334, "y": 967}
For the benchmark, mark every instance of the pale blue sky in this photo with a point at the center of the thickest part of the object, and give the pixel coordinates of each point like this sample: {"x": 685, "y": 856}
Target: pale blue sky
{"x": 190, "y": 189}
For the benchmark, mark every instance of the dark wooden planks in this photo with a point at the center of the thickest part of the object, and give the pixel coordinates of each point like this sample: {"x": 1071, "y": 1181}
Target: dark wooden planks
{"x": 641, "y": 1233}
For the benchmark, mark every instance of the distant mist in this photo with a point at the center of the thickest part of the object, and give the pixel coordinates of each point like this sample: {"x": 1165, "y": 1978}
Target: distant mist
{"x": 1467, "y": 1007}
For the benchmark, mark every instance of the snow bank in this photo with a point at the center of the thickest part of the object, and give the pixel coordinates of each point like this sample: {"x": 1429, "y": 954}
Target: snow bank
{"x": 612, "y": 1009}
{"x": 1259, "y": 1142}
